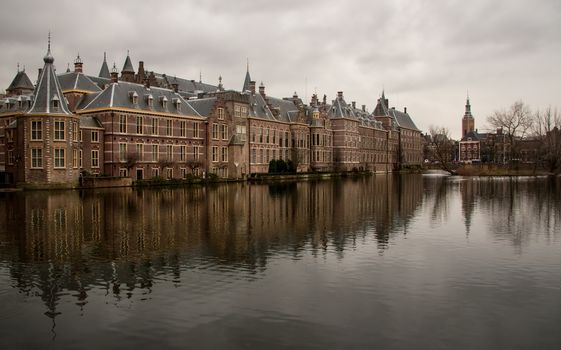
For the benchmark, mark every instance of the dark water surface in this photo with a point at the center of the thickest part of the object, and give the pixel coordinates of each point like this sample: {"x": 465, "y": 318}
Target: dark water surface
{"x": 413, "y": 262}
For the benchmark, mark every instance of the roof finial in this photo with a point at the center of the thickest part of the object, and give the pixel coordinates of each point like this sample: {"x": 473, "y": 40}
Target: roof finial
{"x": 467, "y": 94}
{"x": 104, "y": 56}
{"x": 18, "y": 67}
{"x": 128, "y": 53}
{"x": 200, "y": 76}
{"x": 247, "y": 58}
{"x": 48, "y": 57}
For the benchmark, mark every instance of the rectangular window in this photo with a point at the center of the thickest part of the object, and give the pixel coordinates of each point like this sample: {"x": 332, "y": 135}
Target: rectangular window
{"x": 182, "y": 152}
{"x": 243, "y": 111}
{"x": 59, "y": 130}
{"x": 155, "y": 172}
{"x": 169, "y": 173}
{"x": 80, "y": 158}
{"x": 123, "y": 172}
{"x": 140, "y": 151}
{"x": 122, "y": 152}
{"x": 183, "y": 172}
{"x": 75, "y": 131}
{"x": 139, "y": 125}
{"x": 36, "y": 130}
{"x": 214, "y": 153}
{"x": 215, "y": 131}
{"x": 11, "y": 157}
{"x": 183, "y": 128}
{"x": 237, "y": 111}
{"x": 122, "y": 123}
{"x": 95, "y": 158}
{"x": 267, "y": 135}
{"x": 154, "y": 126}
{"x": 197, "y": 152}
{"x": 36, "y": 158}
{"x": 75, "y": 158}
{"x": 95, "y": 136}
{"x": 253, "y": 156}
{"x": 225, "y": 154}
{"x": 169, "y": 127}
{"x": 60, "y": 160}
{"x": 221, "y": 113}
{"x": 154, "y": 153}
{"x": 196, "y": 130}
{"x": 169, "y": 152}
{"x": 224, "y": 131}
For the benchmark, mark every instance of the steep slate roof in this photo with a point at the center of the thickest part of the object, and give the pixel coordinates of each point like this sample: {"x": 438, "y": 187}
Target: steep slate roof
{"x": 104, "y": 71}
{"x": 402, "y": 119}
{"x": 127, "y": 67}
{"x": 119, "y": 95}
{"x": 99, "y": 81}
{"x": 77, "y": 81}
{"x": 246, "y": 81}
{"x": 474, "y": 136}
{"x": 184, "y": 84}
{"x": 21, "y": 81}
{"x": 89, "y": 122}
{"x": 48, "y": 90}
{"x": 258, "y": 108}
{"x": 340, "y": 109}
{"x": 287, "y": 110}
{"x": 15, "y": 104}
{"x": 203, "y": 106}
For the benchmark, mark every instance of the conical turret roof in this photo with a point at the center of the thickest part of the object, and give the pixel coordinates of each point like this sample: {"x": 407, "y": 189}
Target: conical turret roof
{"x": 127, "y": 67}
{"x": 104, "y": 71}
{"x": 48, "y": 93}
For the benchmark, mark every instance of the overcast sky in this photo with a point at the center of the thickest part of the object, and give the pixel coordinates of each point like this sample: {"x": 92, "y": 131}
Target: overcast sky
{"x": 425, "y": 54}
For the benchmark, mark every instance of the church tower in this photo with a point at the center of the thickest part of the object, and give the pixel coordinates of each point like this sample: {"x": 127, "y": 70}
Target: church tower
{"x": 468, "y": 122}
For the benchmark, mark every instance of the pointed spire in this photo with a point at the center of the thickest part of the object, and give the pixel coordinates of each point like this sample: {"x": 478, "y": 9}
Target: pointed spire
{"x": 468, "y": 107}
{"x": 220, "y": 86}
{"x": 127, "y": 67}
{"x": 67, "y": 67}
{"x": 104, "y": 71}
{"x": 247, "y": 81}
{"x": 49, "y": 59}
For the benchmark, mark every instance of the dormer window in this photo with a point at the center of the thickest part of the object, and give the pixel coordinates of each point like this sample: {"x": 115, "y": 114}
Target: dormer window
{"x": 133, "y": 97}
{"x": 177, "y": 104}
{"x": 56, "y": 102}
{"x": 164, "y": 101}
{"x": 150, "y": 100}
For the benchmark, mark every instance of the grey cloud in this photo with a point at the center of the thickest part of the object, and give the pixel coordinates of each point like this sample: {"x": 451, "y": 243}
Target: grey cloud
{"x": 424, "y": 53}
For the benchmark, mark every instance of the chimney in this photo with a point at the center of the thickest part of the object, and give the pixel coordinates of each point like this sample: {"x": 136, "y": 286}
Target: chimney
{"x": 340, "y": 95}
{"x": 252, "y": 87}
{"x": 175, "y": 85}
{"x": 405, "y": 110}
{"x": 78, "y": 65}
{"x": 39, "y": 74}
{"x": 353, "y": 104}
{"x": 146, "y": 82}
{"x": 141, "y": 69}
{"x": 262, "y": 89}
{"x": 314, "y": 100}
{"x": 364, "y": 108}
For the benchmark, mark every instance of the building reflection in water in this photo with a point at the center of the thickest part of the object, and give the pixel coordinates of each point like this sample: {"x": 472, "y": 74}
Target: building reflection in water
{"x": 125, "y": 240}
{"x": 120, "y": 240}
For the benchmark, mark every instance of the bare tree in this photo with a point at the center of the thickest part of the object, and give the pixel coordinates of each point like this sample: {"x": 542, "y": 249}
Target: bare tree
{"x": 441, "y": 148}
{"x": 514, "y": 122}
{"x": 194, "y": 164}
{"x": 546, "y": 128}
{"x": 131, "y": 160}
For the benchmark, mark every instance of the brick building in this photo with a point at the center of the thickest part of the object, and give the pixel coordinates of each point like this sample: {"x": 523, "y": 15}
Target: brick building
{"x": 146, "y": 124}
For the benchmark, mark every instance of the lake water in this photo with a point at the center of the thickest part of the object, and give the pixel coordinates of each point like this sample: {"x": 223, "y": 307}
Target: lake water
{"x": 400, "y": 262}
